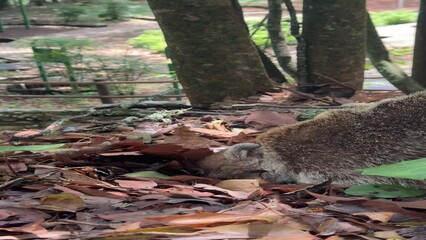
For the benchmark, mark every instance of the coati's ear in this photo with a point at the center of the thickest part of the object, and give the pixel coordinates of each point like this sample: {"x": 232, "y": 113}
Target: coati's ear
{"x": 245, "y": 151}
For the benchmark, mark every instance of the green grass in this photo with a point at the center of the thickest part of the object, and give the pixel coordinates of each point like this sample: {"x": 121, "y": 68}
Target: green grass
{"x": 400, "y": 52}
{"x": 253, "y": 2}
{"x": 393, "y": 17}
{"x": 154, "y": 39}
{"x": 150, "y": 39}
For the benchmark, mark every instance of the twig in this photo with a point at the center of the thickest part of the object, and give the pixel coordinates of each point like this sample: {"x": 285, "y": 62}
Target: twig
{"x": 8, "y": 165}
{"x": 334, "y": 80}
{"x": 332, "y": 103}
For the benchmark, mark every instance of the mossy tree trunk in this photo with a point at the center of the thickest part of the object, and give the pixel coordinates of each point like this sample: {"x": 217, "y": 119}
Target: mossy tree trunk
{"x": 335, "y": 35}
{"x": 211, "y": 49}
{"x": 419, "y": 59}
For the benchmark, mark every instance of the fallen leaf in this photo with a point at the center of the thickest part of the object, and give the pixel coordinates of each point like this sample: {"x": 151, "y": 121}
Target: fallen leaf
{"x": 136, "y": 185}
{"x": 63, "y": 202}
{"x": 383, "y": 217}
{"x": 261, "y": 231}
{"x": 244, "y": 185}
{"x": 189, "y": 139}
{"x": 260, "y": 119}
{"x": 217, "y": 125}
{"x": 239, "y": 195}
{"x": 208, "y": 218}
{"x": 214, "y": 133}
{"x": 147, "y": 174}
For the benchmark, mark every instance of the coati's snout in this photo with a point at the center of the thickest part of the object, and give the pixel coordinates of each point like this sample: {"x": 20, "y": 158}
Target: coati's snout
{"x": 239, "y": 161}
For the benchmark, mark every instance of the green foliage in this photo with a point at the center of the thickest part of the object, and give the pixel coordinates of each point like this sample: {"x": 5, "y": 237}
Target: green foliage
{"x": 70, "y": 13}
{"x": 309, "y": 114}
{"x": 117, "y": 69}
{"x": 414, "y": 169}
{"x": 393, "y": 17}
{"x": 115, "y": 10}
{"x": 68, "y": 43}
{"x": 384, "y": 191}
{"x": 402, "y": 51}
{"x": 150, "y": 39}
{"x": 147, "y": 174}
{"x": 4, "y": 4}
{"x": 32, "y": 148}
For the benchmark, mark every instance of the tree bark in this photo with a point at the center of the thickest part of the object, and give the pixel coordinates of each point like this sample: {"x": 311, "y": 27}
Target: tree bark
{"x": 278, "y": 41}
{"x": 334, "y": 32}
{"x": 211, "y": 49}
{"x": 379, "y": 57}
{"x": 419, "y": 59}
{"x": 4, "y": 4}
{"x": 271, "y": 69}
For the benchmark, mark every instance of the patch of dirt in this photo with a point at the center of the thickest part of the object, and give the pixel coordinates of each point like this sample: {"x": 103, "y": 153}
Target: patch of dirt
{"x": 17, "y": 32}
{"x": 111, "y": 42}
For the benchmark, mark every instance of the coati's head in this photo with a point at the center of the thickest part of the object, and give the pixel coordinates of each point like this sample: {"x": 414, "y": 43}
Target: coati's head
{"x": 239, "y": 161}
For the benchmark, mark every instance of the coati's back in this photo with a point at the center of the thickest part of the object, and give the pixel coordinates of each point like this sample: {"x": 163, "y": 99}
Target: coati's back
{"x": 333, "y": 145}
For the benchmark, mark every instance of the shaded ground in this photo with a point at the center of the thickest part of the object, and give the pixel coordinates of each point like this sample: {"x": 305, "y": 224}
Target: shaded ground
{"x": 110, "y": 41}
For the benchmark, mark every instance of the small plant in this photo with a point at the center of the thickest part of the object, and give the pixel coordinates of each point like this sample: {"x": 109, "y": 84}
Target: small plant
{"x": 115, "y": 10}
{"x": 261, "y": 37}
{"x": 70, "y": 13}
{"x": 150, "y": 39}
{"x": 393, "y": 17}
{"x": 117, "y": 69}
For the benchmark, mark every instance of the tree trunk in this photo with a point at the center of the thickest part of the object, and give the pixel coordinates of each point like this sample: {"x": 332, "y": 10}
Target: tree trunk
{"x": 278, "y": 41}
{"x": 379, "y": 57}
{"x": 4, "y": 4}
{"x": 271, "y": 69}
{"x": 211, "y": 49}
{"x": 419, "y": 59}
{"x": 334, "y": 32}
{"x": 38, "y": 2}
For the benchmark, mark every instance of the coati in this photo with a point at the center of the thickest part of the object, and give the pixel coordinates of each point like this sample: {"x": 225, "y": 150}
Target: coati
{"x": 334, "y": 146}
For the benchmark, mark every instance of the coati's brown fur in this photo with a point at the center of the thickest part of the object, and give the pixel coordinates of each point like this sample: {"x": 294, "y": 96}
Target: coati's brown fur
{"x": 332, "y": 146}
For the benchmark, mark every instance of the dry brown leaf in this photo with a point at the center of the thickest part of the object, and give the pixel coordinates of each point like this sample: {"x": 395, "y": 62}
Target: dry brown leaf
{"x": 365, "y": 202}
{"x": 176, "y": 151}
{"x": 136, "y": 185}
{"x": 239, "y": 195}
{"x": 244, "y": 185}
{"x": 387, "y": 235}
{"x": 262, "y": 118}
{"x": 62, "y": 202}
{"x": 383, "y": 217}
{"x": 189, "y": 139}
{"x": 207, "y": 218}
{"x": 217, "y": 125}
{"x": 261, "y": 231}
{"x": 99, "y": 193}
{"x": 15, "y": 165}
{"x": 214, "y": 133}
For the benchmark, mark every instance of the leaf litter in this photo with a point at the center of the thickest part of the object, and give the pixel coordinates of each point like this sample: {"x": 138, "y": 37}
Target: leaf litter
{"x": 135, "y": 182}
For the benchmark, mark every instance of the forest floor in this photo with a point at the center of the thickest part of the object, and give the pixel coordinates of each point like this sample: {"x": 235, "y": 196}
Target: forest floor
{"x": 100, "y": 176}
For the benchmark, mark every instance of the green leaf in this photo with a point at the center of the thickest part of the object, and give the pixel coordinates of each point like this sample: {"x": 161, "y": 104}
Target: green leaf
{"x": 413, "y": 169}
{"x": 146, "y": 138}
{"x": 384, "y": 191}
{"x": 31, "y": 148}
{"x": 147, "y": 174}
